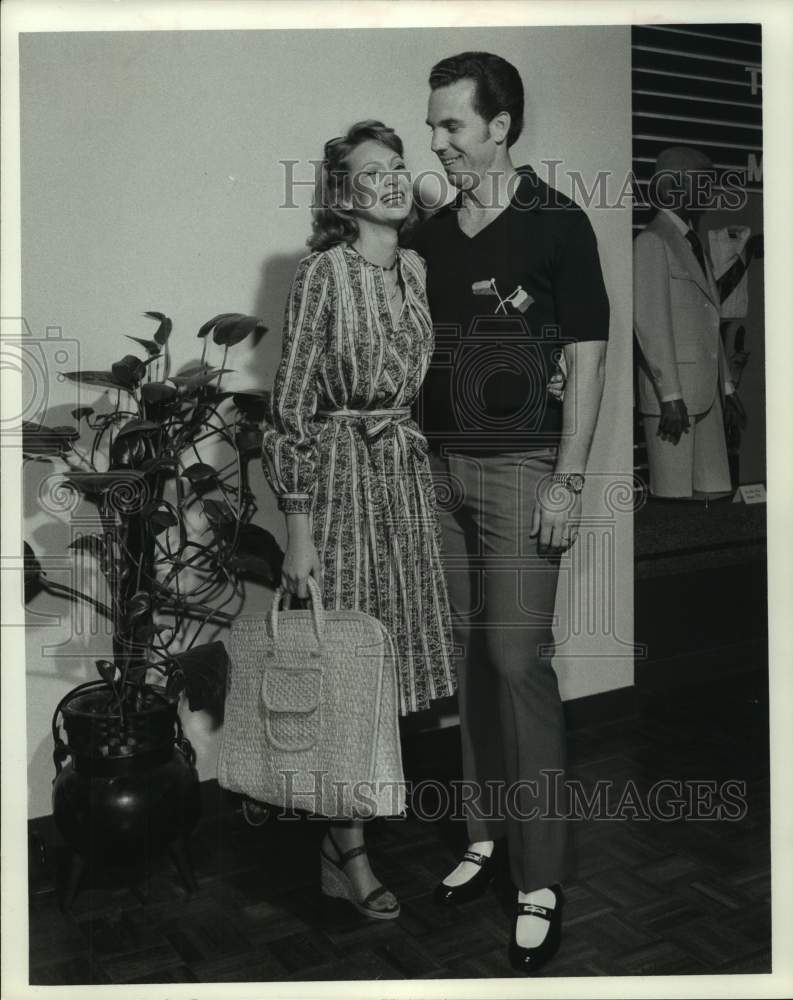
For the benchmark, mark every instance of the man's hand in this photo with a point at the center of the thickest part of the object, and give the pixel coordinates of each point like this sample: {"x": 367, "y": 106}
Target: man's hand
{"x": 674, "y": 420}
{"x": 555, "y": 518}
{"x": 556, "y": 386}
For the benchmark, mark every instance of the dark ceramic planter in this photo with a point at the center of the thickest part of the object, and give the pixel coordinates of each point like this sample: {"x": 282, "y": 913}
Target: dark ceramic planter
{"x": 130, "y": 789}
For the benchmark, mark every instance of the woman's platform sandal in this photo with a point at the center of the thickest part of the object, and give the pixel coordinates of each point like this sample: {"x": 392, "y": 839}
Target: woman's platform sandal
{"x": 338, "y": 885}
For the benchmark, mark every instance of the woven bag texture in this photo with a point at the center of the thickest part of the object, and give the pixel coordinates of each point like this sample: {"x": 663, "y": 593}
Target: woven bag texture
{"x": 313, "y": 726}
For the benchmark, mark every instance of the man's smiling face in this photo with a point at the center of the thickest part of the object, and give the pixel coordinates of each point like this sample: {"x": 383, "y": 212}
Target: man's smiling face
{"x": 461, "y": 138}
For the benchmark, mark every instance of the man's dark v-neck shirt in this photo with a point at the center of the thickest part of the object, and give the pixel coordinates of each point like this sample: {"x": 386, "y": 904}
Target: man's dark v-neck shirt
{"x": 503, "y": 304}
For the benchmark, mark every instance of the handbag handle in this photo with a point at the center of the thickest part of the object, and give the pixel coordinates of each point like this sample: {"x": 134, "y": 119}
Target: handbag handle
{"x": 316, "y": 608}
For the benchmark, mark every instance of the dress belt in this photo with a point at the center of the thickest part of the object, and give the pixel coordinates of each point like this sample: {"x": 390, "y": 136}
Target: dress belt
{"x": 382, "y": 417}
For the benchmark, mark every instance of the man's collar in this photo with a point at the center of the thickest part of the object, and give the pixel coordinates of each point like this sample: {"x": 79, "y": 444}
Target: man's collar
{"x": 528, "y": 190}
{"x": 681, "y": 226}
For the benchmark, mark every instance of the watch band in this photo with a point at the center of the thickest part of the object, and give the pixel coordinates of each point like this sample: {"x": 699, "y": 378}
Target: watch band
{"x": 573, "y": 481}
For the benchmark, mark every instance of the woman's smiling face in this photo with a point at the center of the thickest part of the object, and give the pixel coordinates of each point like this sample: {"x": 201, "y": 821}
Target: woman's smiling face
{"x": 380, "y": 183}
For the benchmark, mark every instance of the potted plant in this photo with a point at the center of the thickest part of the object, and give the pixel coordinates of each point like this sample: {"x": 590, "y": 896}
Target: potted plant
{"x": 175, "y": 547}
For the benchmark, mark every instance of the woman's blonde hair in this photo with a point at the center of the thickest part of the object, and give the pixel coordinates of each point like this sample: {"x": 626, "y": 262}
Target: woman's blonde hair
{"x": 331, "y": 222}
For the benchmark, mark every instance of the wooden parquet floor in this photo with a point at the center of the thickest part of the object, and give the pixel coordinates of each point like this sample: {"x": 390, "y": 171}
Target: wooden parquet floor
{"x": 649, "y": 897}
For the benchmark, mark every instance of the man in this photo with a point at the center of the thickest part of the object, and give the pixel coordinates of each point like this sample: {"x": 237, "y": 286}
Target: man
{"x": 514, "y": 284}
{"x": 683, "y": 372}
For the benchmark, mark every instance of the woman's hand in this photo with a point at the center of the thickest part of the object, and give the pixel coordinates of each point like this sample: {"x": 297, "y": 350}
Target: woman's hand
{"x": 301, "y": 559}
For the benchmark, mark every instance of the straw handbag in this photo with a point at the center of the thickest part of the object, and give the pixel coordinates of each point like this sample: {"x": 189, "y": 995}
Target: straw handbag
{"x": 311, "y": 712}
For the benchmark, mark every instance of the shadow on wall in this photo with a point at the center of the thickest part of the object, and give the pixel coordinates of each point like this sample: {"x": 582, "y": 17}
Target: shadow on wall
{"x": 275, "y": 280}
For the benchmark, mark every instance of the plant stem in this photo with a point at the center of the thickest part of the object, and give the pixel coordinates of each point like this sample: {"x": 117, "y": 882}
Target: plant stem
{"x": 61, "y": 590}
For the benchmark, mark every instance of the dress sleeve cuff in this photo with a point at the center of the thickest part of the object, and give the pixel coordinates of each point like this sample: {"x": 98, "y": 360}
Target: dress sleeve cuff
{"x": 295, "y": 503}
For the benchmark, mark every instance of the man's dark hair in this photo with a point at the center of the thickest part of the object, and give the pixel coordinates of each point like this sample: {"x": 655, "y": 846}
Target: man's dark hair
{"x": 498, "y": 85}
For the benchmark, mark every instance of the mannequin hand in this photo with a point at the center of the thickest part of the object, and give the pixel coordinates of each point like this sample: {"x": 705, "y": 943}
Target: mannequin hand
{"x": 674, "y": 420}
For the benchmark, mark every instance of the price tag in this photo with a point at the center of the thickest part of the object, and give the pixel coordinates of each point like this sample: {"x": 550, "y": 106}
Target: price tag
{"x": 752, "y": 493}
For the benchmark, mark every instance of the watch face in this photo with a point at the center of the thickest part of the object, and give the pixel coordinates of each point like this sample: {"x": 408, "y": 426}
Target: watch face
{"x": 576, "y": 482}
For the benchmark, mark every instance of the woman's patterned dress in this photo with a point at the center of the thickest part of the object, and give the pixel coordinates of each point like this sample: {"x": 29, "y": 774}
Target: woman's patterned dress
{"x": 365, "y": 478}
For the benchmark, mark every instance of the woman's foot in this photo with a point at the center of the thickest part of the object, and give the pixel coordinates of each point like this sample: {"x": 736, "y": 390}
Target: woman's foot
{"x": 471, "y": 876}
{"x": 536, "y": 933}
{"x": 347, "y": 874}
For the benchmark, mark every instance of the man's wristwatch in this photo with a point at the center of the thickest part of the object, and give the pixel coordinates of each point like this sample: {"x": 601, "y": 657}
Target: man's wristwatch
{"x": 573, "y": 481}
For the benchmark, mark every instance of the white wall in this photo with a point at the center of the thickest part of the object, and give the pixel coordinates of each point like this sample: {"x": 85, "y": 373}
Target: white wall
{"x": 151, "y": 180}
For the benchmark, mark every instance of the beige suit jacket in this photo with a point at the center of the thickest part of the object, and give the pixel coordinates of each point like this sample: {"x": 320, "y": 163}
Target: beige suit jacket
{"x": 676, "y": 313}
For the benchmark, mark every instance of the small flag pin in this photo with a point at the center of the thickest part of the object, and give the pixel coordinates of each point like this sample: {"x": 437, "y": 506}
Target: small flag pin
{"x": 521, "y": 299}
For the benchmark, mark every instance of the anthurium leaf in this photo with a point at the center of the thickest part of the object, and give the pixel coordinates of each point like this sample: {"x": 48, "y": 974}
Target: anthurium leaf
{"x": 195, "y": 380}
{"x": 106, "y": 379}
{"x": 159, "y": 518}
{"x": 138, "y": 427}
{"x": 217, "y": 513}
{"x": 203, "y": 669}
{"x": 257, "y": 553}
{"x": 67, "y": 432}
{"x": 162, "y": 519}
{"x": 236, "y": 328}
{"x": 174, "y": 685}
{"x": 159, "y": 464}
{"x": 129, "y": 370}
{"x": 133, "y": 362}
{"x": 33, "y": 573}
{"x": 254, "y": 403}
{"x": 199, "y": 471}
{"x": 37, "y": 439}
{"x": 95, "y": 544}
{"x": 254, "y": 568}
{"x": 249, "y": 442}
{"x": 158, "y": 392}
{"x": 144, "y": 631}
{"x": 100, "y": 482}
{"x": 151, "y": 346}
{"x": 197, "y": 369}
{"x": 214, "y": 395}
{"x": 109, "y": 672}
{"x": 41, "y": 446}
{"x": 164, "y": 329}
{"x": 211, "y": 323}
{"x": 223, "y": 330}
{"x": 137, "y": 606}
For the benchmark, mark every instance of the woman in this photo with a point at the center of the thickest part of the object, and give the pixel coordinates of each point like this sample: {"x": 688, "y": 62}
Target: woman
{"x": 347, "y": 463}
